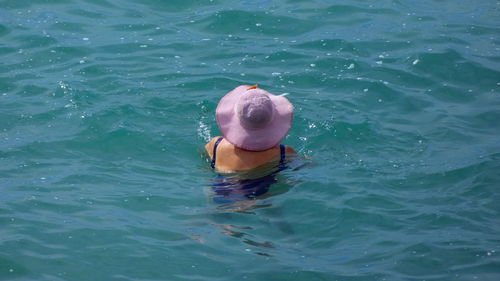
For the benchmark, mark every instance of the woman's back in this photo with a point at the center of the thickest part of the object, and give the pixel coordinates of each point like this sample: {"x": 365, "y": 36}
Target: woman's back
{"x": 228, "y": 157}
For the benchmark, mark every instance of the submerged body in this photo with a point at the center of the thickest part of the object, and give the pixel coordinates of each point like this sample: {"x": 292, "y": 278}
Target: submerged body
{"x": 227, "y": 158}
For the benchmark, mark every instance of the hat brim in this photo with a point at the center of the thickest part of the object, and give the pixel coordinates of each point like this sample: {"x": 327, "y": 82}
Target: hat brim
{"x": 253, "y": 139}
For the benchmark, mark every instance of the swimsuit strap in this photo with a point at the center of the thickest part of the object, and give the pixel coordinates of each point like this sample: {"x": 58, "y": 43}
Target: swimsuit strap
{"x": 214, "y": 155}
{"x": 282, "y": 154}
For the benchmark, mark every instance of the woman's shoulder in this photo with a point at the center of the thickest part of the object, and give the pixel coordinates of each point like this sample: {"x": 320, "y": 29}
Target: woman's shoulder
{"x": 209, "y": 147}
{"x": 214, "y": 139}
{"x": 289, "y": 150}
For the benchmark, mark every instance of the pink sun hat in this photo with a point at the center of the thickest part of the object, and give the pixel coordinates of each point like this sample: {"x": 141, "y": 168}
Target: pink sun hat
{"x": 254, "y": 119}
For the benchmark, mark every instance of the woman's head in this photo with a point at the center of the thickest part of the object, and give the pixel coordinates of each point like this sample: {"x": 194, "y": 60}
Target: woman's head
{"x": 254, "y": 119}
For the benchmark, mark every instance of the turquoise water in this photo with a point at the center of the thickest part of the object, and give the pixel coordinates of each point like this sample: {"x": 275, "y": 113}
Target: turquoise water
{"x": 105, "y": 107}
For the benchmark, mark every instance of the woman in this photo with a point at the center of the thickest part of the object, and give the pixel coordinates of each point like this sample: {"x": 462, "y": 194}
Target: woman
{"x": 253, "y": 122}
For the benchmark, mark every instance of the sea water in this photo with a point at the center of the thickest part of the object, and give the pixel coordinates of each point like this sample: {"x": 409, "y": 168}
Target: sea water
{"x": 105, "y": 106}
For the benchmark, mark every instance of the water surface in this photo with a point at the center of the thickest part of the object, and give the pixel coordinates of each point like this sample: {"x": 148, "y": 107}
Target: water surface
{"x": 105, "y": 107}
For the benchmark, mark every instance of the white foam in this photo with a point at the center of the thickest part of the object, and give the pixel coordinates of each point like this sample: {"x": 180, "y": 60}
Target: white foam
{"x": 204, "y": 131}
